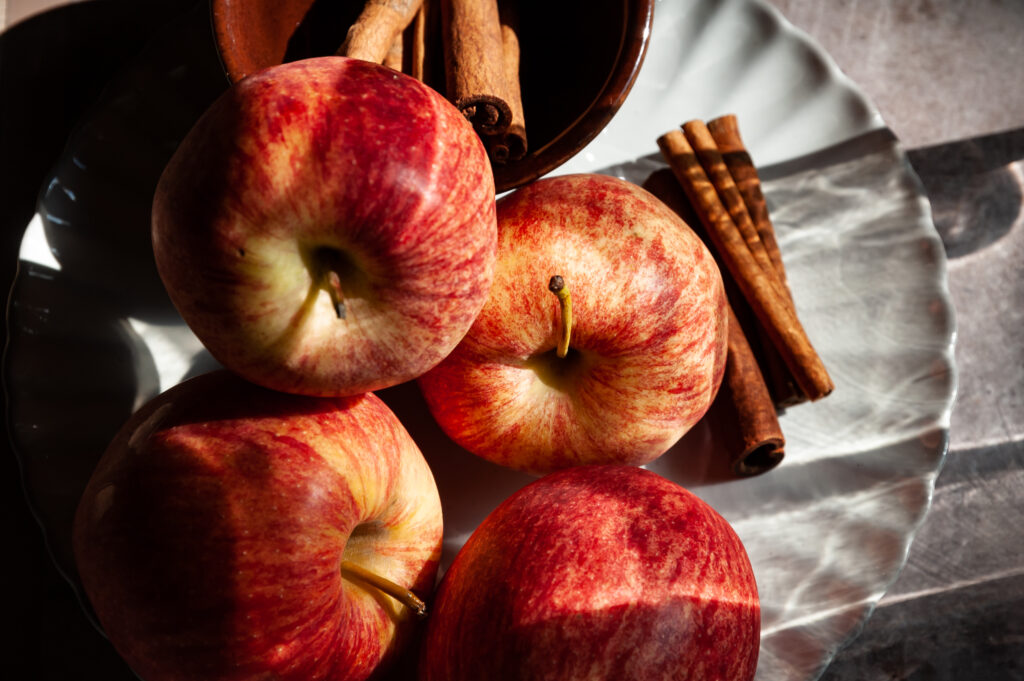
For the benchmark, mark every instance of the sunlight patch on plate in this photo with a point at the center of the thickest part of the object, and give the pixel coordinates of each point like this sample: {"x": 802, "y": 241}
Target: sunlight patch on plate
{"x": 34, "y": 246}
{"x": 173, "y": 347}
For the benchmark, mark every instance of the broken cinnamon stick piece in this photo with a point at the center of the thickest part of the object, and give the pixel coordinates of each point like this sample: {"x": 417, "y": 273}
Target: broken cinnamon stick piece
{"x": 726, "y": 133}
{"x": 474, "y": 63}
{"x": 510, "y": 145}
{"x": 746, "y": 411}
{"x": 379, "y": 24}
{"x": 772, "y": 309}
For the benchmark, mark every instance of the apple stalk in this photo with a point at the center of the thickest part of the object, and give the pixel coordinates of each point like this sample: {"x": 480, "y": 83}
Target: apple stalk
{"x": 358, "y": 573}
{"x": 333, "y": 287}
{"x": 557, "y": 286}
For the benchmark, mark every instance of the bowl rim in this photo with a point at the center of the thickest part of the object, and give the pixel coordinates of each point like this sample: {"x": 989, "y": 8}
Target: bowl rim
{"x": 637, "y": 21}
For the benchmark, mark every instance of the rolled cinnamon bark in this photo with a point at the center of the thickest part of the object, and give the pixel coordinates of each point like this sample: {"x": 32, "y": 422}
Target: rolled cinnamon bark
{"x": 726, "y": 133}
{"x": 745, "y": 410}
{"x": 395, "y": 56}
{"x": 700, "y": 138}
{"x": 379, "y": 24}
{"x": 474, "y": 63}
{"x": 760, "y": 288}
{"x": 422, "y": 28}
{"x": 511, "y": 144}
{"x": 745, "y": 201}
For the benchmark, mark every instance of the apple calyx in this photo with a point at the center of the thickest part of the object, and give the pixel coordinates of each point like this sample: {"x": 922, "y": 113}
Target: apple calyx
{"x": 557, "y": 286}
{"x": 407, "y": 598}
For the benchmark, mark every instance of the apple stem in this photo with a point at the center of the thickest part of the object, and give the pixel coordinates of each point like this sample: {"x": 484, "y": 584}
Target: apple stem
{"x": 334, "y": 291}
{"x": 396, "y": 591}
{"x": 557, "y": 286}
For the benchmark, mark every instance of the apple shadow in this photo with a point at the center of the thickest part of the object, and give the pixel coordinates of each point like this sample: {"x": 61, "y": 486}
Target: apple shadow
{"x": 470, "y": 487}
{"x": 95, "y": 206}
{"x": 54, "y": 67}
{"x": 700, "y": 458}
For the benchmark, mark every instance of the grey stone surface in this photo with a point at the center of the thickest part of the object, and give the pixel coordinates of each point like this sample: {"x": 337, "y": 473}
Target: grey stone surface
{"x": 938, "y": 70}
{"x": 945, "y": 75}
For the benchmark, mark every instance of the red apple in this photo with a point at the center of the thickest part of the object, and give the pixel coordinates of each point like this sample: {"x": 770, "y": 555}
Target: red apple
{"x": 231, "y": 532}
{"x": 327, "y": 227}
{"x": 597, "y": 572}
{"x": 646, "y": 353}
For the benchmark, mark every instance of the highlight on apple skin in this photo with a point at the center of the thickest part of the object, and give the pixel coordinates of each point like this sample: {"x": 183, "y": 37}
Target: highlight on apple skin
{"x": 646, "y": 354}
{"x": 597, "y": 573}
{"x": 327, "y": 227}
{"x": 213, "y": 538}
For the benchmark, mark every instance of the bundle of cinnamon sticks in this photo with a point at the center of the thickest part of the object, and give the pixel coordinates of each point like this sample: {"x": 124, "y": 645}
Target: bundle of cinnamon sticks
{"x": 479, "y": 45}
{"x": 771, "y": 362}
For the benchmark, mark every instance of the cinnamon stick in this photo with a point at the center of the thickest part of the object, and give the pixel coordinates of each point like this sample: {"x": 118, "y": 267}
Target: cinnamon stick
{"x": 394, "y": 57}
{"x": 510, "y": 145}
{"x": 745, "y": 409}
{"x": 700, "y": 138}
{"x": 379, "y": 24}
{"x": 772, "y": 308}
{"x": 726, "y": 133}
{"x": 421, "y": 29}
{"x": 781, "y": 387}
{"x": 474, "y": 63}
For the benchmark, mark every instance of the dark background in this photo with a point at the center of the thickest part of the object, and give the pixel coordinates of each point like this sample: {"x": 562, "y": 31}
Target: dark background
{"x": 85, "y": 45}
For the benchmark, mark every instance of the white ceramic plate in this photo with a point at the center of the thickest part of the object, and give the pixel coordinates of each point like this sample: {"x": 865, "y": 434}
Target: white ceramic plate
{"x": 92, "y": 335}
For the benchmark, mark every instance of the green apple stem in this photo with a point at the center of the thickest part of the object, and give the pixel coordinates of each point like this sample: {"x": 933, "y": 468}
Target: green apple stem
{"x": 557, "y": 286}
{"x": 396, "y": 591}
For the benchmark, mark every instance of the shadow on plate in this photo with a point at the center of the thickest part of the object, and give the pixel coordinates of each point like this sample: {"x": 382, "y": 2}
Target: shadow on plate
{"x": 95, "y": 202}
{"x": 53, "y": 68}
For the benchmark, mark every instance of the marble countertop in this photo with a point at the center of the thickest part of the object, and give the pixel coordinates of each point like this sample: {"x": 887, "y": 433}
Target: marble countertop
{"x": 944, "y": 74}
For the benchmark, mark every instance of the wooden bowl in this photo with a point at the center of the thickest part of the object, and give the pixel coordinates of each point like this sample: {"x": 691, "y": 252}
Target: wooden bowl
{"x": 579, "y": 60}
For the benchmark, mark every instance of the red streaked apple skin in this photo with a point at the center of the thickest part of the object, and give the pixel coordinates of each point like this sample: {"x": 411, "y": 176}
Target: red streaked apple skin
{"x": 597, "y": 573}
{"x": 649, "y": 332}
{"x": 209, "y": 539}
{"x": 327, "y": 155}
